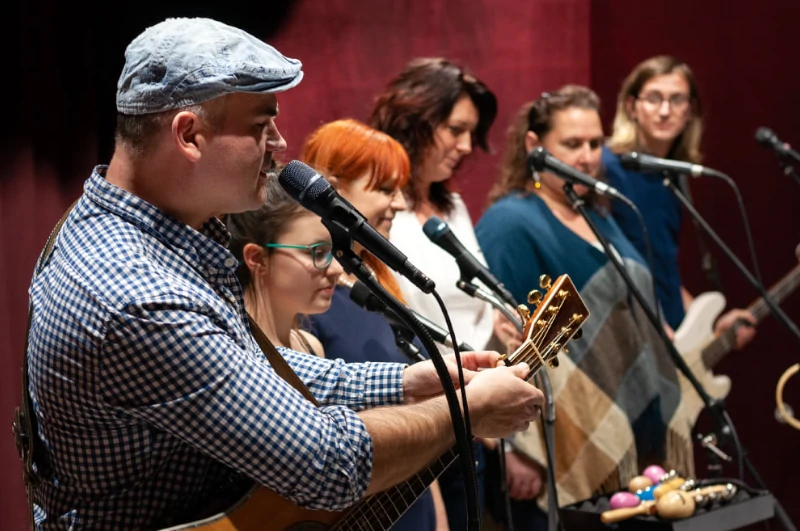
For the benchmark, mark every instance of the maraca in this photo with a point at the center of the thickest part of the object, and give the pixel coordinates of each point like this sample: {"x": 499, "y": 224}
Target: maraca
{"x": 675, "y": 504}
{"x": 622, "y": 500}
{"x": 646, "y": 493}
{"x": 646, "y": 507}
{"x": 639, "y": 483}
{"x": 654, "y": 473}
{"x": 668, "y": 485}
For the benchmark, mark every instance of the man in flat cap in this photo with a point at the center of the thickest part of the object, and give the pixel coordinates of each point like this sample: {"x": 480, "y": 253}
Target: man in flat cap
{"x": 149, "y": 393}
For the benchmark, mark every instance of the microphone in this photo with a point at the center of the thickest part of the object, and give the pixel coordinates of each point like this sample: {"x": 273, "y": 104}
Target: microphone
{"x": 361, "y": 295}
{"x": 766, "y": 137}
{"x": 439, "y": 233}
{"x": 311, "y": 190}
{"x": 541, "y": 160}
{"x": 647, "y": 163}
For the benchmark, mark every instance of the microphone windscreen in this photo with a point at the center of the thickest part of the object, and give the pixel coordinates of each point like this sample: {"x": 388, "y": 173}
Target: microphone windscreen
{"x": 434, "y": 227}
{"x": 302, "y": 182}
{"x": 630, "y": 161}
{"x": 536, "y": 158}
{"x": 360, "y": 294}
{"x": 765, "y": 137}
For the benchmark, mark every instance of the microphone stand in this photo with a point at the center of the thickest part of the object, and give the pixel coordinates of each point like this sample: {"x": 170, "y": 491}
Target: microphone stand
{"x": 342, "y": 243}
{"x": 774, "y": 308}
{"x": 788, "y": 169}
{"x": 716, "y": 407}
{"x": 542, "y": 381}
{"x": 404, "y": 341}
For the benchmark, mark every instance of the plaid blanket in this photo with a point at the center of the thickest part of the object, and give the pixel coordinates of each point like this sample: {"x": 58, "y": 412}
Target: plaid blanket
{"x": 617, "y": 396}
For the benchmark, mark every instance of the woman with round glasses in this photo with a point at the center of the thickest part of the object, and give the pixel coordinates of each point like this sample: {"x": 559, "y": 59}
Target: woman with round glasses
{"x": 368, "y": 168}
{"x": 659, "y": 112}
{"x": 285, "y": 267}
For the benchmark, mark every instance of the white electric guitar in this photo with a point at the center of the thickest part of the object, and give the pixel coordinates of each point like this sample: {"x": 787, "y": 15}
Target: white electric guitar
{"x": 695, "y": 340}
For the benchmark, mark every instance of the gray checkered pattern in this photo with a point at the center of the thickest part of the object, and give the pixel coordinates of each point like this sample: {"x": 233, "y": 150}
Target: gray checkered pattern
{"x": 151, "y": 392}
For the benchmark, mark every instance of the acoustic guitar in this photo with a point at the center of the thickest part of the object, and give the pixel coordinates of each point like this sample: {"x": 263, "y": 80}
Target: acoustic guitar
{"x": 557, "y": 318}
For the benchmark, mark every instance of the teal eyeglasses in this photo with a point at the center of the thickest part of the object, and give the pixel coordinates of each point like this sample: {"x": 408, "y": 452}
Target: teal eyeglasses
{"x": 321, "y": 253}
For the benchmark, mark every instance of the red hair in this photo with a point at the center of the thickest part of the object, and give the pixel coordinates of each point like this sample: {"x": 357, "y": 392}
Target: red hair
{"x": 348, "y": 149}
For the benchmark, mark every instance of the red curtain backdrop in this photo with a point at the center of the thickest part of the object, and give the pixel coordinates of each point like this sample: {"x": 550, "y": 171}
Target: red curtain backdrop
{"x": 61, "y": 123}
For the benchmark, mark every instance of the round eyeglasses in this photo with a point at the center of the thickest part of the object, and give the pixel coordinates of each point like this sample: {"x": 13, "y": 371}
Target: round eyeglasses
{"x": 656, "y": 99}
{"x": 321, "y": 253}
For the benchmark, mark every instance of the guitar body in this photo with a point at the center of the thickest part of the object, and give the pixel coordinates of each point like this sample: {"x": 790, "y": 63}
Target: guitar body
{"x": 695, "y": 340}
{"x": 695, "y": 333}
{"x": 264, "y": 510}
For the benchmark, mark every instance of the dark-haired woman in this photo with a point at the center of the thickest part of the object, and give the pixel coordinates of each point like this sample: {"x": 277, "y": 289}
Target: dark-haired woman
{"x": 438, "y": 111}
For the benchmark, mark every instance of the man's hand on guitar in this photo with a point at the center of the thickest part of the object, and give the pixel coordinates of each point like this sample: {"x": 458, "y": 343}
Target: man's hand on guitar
{"x": 421, "y": 381}
{"x": 743, "y": 320}
{"x": 502, "y": 402}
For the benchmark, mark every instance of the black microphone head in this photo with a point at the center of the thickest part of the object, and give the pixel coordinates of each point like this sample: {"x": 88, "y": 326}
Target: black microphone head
{"x": 536, "y": 158}
{"x": 302, "y": 183}
{"x": 766, "y": 137}
{"x": 435, "y": 228}
{"x": 361, "y": 295}
{"x": 630, "y": 161}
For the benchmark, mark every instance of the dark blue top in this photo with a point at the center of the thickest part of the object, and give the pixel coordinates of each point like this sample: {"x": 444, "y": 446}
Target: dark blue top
{"x": 662, "y": 215}
{"x": 522, "y": 239}
{"x": 619, "y": 353}
{"x": 350, "y": 332}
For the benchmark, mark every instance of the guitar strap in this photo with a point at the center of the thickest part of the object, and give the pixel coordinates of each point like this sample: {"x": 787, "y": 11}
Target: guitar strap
{"x": 25, "y": 425}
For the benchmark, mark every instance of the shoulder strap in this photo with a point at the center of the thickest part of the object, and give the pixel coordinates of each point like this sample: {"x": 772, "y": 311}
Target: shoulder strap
{"x": 278, "y": 363}
{"x": 25, "y": 425}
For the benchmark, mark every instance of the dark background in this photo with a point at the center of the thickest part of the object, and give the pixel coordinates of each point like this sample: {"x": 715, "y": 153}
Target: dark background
{"x": 60, "y": 72}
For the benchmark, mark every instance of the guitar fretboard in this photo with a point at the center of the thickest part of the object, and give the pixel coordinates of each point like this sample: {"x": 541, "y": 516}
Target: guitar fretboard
{"x": 381, "y": 511}
{"x": 718, "y": 348}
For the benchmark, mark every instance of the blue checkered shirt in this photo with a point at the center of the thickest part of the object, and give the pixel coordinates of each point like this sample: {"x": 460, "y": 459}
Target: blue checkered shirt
{"x": 150, "y": 391}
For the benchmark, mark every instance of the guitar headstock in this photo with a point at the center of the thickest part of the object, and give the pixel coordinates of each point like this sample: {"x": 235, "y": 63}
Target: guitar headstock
{"x": 557, "y": 318}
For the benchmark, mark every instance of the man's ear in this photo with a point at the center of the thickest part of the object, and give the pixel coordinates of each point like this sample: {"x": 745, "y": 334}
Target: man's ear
{"x": 189, "y": 135}
{"x": 531, "y": 141}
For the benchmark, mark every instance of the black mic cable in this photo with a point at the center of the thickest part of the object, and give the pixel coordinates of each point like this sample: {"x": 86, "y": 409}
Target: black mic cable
{"x": 345, "y": 224}
{"x": 633, "y": 161}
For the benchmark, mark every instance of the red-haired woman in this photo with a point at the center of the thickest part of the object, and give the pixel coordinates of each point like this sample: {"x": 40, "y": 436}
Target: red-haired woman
{"x": 369, "y": 169}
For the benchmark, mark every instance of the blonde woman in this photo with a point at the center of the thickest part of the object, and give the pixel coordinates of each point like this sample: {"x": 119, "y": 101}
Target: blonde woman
{"x": 659, "y": 112}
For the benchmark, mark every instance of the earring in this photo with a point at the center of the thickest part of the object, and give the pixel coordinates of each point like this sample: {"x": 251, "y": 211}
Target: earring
{"x": 536, "y": 180}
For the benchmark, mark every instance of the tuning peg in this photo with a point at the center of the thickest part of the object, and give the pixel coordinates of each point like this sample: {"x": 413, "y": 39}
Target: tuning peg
{"x": 553, "y": 362}
{"x": 524, "y": 312}
{"x": 545, "y": 282}
{"x": 534, "y": 297}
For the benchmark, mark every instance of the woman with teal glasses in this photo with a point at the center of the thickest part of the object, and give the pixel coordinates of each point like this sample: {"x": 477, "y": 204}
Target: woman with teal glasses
{"x": 285, "y": 267}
